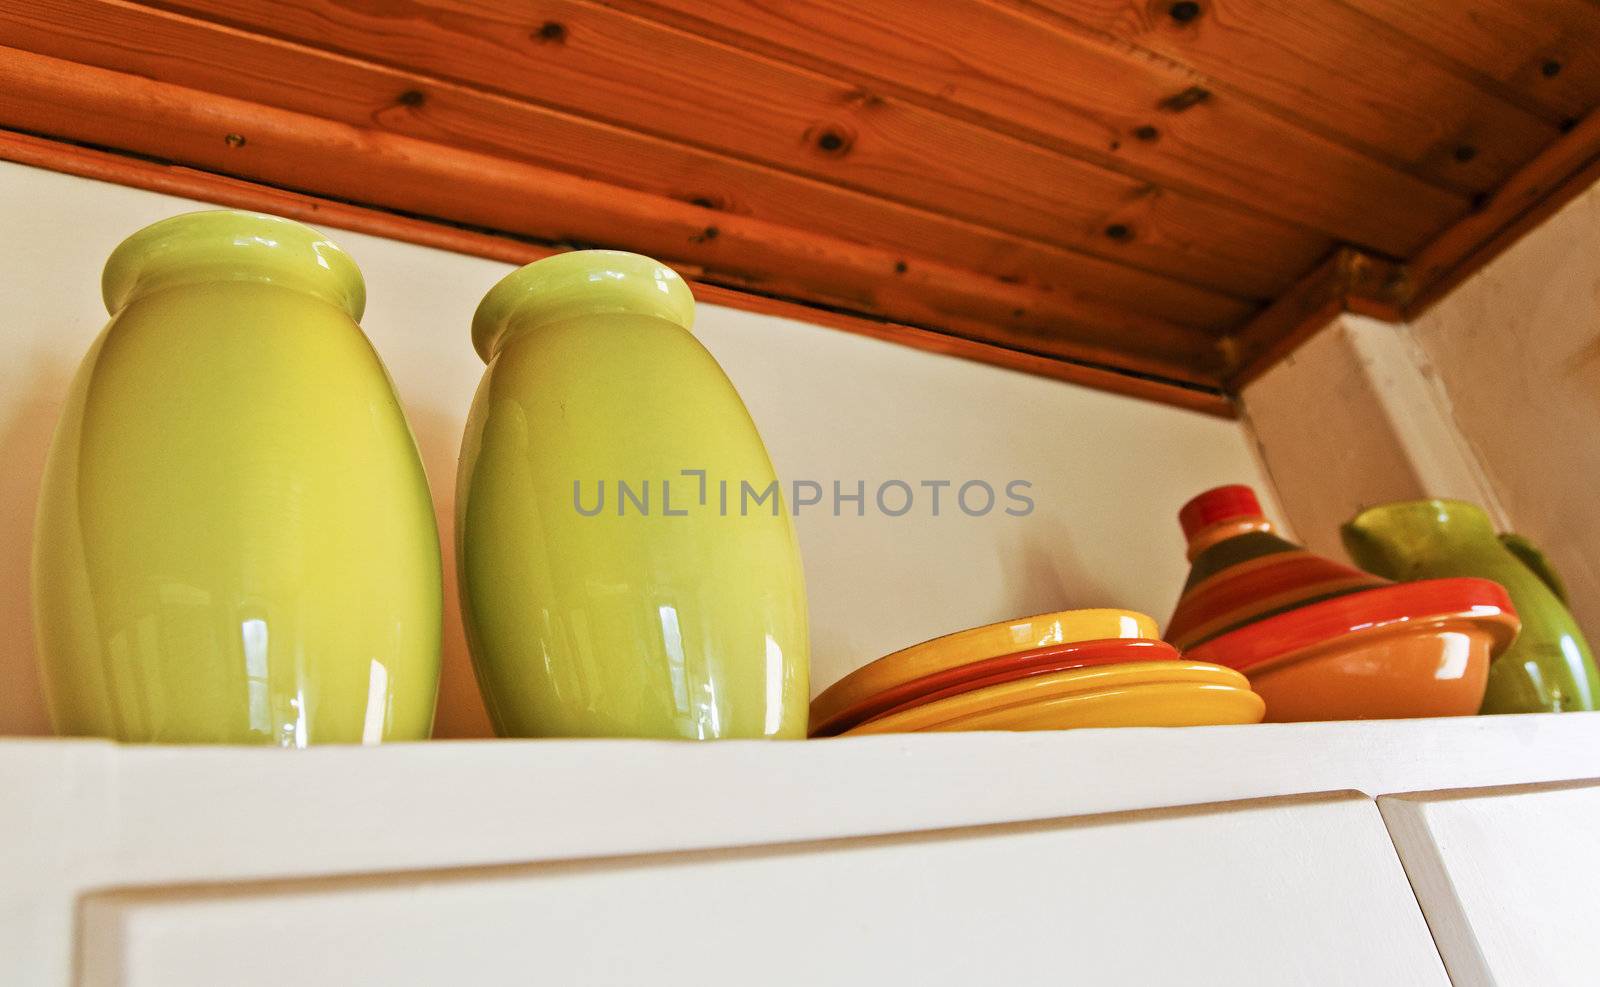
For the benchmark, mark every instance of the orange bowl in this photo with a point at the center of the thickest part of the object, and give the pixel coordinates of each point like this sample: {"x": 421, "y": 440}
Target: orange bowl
{"x": 1414, "y": 649}
{"x": 1383, "y": 675}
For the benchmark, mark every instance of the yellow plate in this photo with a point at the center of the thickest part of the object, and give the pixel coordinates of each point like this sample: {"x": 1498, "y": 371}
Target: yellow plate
{"x": 975, "y": 644}
{"x": 1167, "y": 693}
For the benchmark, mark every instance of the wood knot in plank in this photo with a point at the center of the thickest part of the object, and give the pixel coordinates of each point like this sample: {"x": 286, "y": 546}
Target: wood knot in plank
{"x": 1188, "y": 98}
{"x": 1184, "y": 11}
{"x": 830, "y": 139}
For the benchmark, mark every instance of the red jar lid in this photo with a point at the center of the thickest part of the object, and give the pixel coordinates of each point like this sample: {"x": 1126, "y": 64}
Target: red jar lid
{"x": 1218, "y": 504}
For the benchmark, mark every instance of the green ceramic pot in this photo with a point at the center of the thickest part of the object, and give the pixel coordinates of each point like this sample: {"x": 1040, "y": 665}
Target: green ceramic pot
{"x": 235, "y": 542}
{"x": 1549, "y": 668}
{"x": 627, "y": 565}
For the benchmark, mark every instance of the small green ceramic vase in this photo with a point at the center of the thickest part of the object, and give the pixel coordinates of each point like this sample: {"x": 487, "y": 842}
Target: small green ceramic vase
{"x": 627, "y": 565}
{"x": 1549, "y": 668}
{"x": 235, "y": 541}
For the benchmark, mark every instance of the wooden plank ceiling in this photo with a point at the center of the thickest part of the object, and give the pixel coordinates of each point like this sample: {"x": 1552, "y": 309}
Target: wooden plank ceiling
{"x": 1164, "y": 193}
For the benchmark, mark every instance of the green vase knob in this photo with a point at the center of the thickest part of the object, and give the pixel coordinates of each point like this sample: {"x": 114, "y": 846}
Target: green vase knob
{"x": 1549, "y": 668}
{"x": 627, "y": 564}
{"x": 235, "y": 541}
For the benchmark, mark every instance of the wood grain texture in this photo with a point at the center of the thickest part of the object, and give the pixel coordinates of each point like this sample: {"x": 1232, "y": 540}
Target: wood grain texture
{"x": 1542, "y": 54}
{"x": 81, "y": 103}
{"x": 1347, "y": 281}
{"x": 615, "y": 67}
{"x": 162, "y": 46}
{"x": 205, "y": 186}
{"x": 1353, "y": 282}
{"x": 1334, "y": 67}
{"x": 1029, "y": 75}
{"x": 239, "y": 194}
{"x": 1179, "y": 191}
{"x": 1562, "y": 170}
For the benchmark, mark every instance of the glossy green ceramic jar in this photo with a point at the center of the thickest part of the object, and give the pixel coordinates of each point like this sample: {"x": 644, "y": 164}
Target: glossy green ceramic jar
{"x": 1549, "y": 667}
{"x": 628, "y": 567}
{"x": 235, "y": 541}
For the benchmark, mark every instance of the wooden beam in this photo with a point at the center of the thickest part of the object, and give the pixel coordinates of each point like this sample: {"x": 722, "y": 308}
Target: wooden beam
{"x": 1351, "y": 281}
{"x": 221, "y": 190}
{"x": 302, "y": 152}
{"x": 1563, "y": 170}
{"x": 1347, "y": 281}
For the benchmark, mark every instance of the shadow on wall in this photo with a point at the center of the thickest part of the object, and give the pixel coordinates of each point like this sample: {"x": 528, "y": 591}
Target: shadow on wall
{"x": 24, "y": 444}
{"x": 1040, "y": 565}
{"x": 1039, "y": 571}
{"x": 460, "y": 712}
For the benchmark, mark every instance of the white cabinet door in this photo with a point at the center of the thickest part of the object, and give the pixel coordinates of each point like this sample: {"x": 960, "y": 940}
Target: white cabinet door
{"x": 1509, "y": 880}
{"x": 1284, "y": 891}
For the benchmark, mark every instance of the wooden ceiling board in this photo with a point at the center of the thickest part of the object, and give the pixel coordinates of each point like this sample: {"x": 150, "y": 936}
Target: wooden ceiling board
{"x": 1545, "y": 53}
{"x": 1328, "y": 64}
{"x": 1157, "y": 197}
{"x": 218, "y": 59}
{"x": 299, "y": 151}
{"x": 1562, "y": 170}
{"x": 1024, "y": 73}
{"x": 651, "y": 78}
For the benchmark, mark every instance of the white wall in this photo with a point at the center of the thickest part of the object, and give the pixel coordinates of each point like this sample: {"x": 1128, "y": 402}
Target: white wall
{"x": 1356, "y": 417}
{"x": 1492, "y": 396}
{"x": 1108, "y": 472}
{"x": 1517, "y": 346}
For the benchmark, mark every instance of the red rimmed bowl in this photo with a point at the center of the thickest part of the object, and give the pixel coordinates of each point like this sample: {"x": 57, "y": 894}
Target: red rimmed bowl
{"x": 993, "y": 671}
{"x": 1401, "y": 651}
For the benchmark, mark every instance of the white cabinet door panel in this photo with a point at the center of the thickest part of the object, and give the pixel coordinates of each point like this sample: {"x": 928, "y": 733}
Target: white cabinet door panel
{"x": 1291, "y": 891}
{"x": 1509, "y": 880}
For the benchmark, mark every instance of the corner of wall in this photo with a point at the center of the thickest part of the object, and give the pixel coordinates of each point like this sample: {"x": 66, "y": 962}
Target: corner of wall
{"x": 1355, "y": 417}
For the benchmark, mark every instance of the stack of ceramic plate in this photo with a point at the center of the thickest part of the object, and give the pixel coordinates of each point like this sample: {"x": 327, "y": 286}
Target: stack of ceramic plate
{"x": 1076, "y": 668}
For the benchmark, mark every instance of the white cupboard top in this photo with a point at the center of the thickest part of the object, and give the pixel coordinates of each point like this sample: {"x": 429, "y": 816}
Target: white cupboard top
{"x": 86, "y": 816}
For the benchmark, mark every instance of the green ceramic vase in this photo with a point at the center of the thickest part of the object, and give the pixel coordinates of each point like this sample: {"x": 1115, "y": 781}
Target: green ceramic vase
{"x": 235, "y": 541}
{"x": 627, "y": 565}
{"x": 1549, "y": 668}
